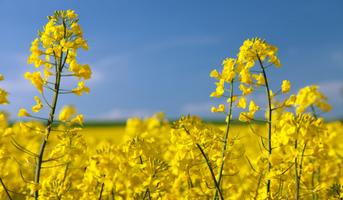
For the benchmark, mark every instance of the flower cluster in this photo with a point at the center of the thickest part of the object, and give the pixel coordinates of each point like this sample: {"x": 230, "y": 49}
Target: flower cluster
{"x": 55, "y": 50}
{"x": 296, "y": 139}
{"x": 54, "y": 54}
{"x": 290, "y": 153}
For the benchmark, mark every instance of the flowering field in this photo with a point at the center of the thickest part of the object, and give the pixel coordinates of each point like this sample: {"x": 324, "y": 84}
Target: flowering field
{"x": 280, "y": 149}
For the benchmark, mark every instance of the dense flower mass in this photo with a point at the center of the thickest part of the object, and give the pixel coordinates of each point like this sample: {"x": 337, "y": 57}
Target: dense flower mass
{"x": 55, "y": 51}
{"x": 54, "y": 54}
{"x": 281, "y": 149}
{"x": 156, "y": 158}
{"x": 295, "y": 139}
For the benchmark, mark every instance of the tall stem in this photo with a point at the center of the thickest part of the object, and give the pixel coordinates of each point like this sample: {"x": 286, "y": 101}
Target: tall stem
{"x": 59, "y": 65}
{"x": 269, "y": 120}
{"x": 228, "y": 124}
{"x": 50, "y": 122}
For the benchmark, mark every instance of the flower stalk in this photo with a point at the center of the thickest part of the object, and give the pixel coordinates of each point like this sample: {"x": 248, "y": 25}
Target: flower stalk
{"x": 59, "y": 41}
{"x": 226, "y": 137}
{"x": 49, "y": 124}
{"x": 269, "y": 120}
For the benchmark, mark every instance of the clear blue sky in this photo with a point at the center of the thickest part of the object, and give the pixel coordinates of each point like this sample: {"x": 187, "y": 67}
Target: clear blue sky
{"x": 150, "y": 56}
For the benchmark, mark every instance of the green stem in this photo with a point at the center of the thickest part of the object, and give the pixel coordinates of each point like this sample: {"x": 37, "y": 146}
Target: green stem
{"x": 58, "y": 68}
{"x": 209, "y": 165}
{"x": 101, "y": 190}
{"x": 59, "y": 65}
{"x": 66, "y": 171}
{"x": 147, "y": 194}
{"x": 49, "y": 127}
{"x": 220, "y": 173}
{"x": 258, "y": 186}
{"x": 297, "y": 177}
{"x": 269, "y": 121}
{"x": 5, "y": 188}
{"x": 314, "y": 113}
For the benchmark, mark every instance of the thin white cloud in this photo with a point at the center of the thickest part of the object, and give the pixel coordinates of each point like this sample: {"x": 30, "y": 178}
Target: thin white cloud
{"x": 115, "y": 67}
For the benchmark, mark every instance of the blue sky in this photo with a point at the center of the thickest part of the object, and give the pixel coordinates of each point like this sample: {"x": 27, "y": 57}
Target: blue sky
{"x": 150, "y": 56}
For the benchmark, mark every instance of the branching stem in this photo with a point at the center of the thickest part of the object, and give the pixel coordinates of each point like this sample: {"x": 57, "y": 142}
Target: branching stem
{"x": 270, "y": 110}
{"x": 226, "y": 137}
{"x": 58, "y": 69}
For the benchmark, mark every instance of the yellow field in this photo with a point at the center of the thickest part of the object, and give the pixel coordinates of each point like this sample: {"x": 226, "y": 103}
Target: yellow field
{"x": 245, "y": 157}
{"x": 111, "y": 156}
{"x": 282, "y": 148}
{"x": 107, "y": 134}
{"x": 115, "y": 135}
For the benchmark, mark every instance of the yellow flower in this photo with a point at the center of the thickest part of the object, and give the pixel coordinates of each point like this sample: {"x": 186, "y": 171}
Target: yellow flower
{"x": 256, "y": 48}
{"x": 76, "y": 28}
{"x": 81, "y": 88}
{"x": 228, "y": 69}
{"x": 35, "y": 54}
{"x": 60, "y": 35}
{"x": 245, "y": 76}
{"x": 219, "y": 90}
{"x": 246, "y": 90}
{"x": 286, "y": 86}
{"x": 324, "y": 106}
{"x": 71, "y": 14}
{"x": 291, "y": 100}
{"x": 81, "y": 71}
{"x": 248, "y": 116}
{"x": 244, "y": 117}
{"x": 311, "y": 96}
{"x": 47, "y": 73}
{"x": 66, "y": 113}
{"x": 38, "y": 106}
{"x": 3, "y": 97}
{"x": 23, "y": 113}
{"x": 253, "y": 107}
{"x": 242, "y": 103}
{"x": 78, "y": 120}
{"x": 36, "y": 80}
{"x": 259, "y": 79}
{"x": 214, "y": 74}
{"x": 85, "y": 72}
{"x": 221, "y": 108}
{"x": 229, "y": 63}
